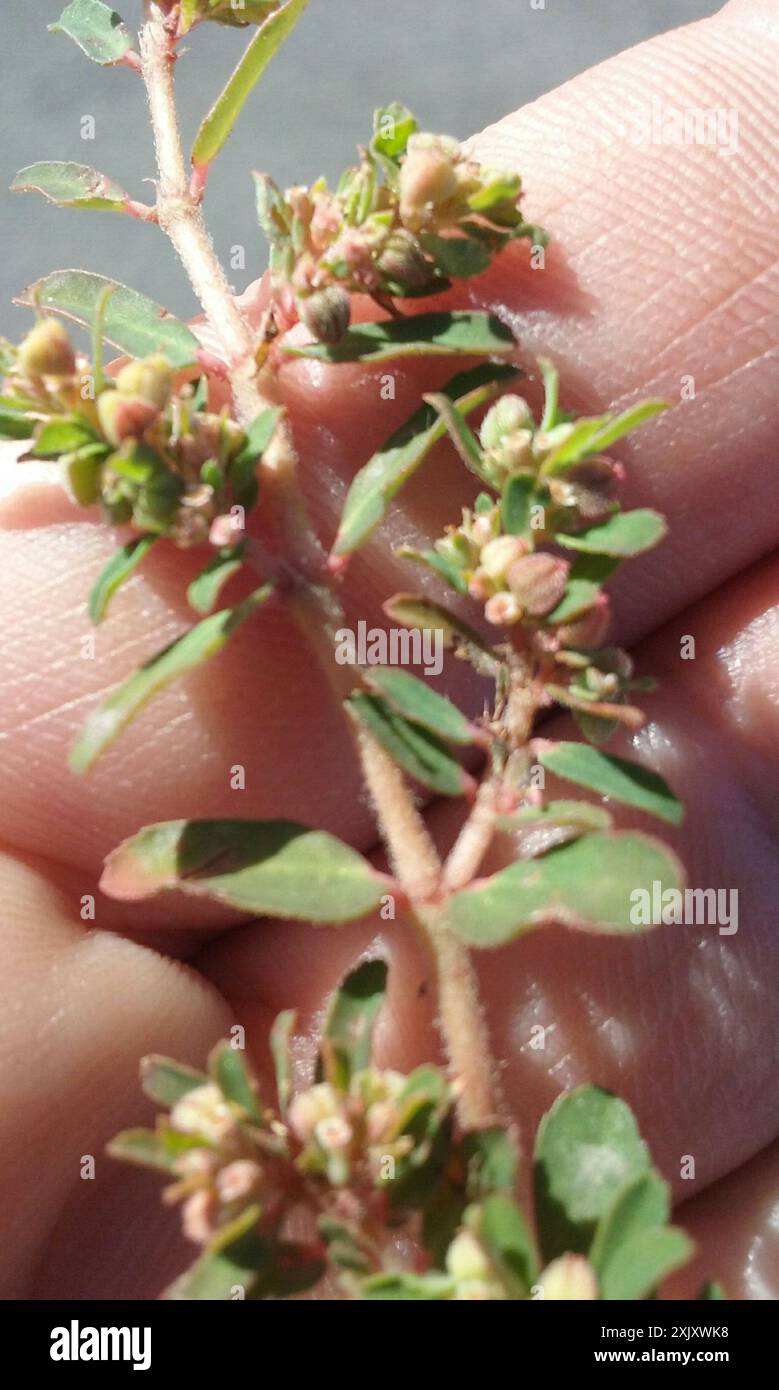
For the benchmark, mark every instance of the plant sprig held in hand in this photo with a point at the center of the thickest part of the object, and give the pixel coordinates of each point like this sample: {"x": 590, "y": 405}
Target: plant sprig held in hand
{"x": 515, "y": 587}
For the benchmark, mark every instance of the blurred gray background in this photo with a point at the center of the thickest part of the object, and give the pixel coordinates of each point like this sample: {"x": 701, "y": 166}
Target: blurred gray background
{"x": 459, "y": 64}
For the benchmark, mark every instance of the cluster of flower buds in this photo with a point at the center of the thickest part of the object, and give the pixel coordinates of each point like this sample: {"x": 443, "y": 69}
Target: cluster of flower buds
{"x": 352, "y": 1134}
{"x": 222, "y": 1169}
{"x": 153, "y": 456}
{"x": 416, "y": 212}
{"x": 581, "y": 494}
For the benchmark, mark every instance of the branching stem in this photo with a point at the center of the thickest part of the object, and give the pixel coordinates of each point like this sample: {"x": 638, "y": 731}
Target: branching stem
{"x": 312, "y": 600}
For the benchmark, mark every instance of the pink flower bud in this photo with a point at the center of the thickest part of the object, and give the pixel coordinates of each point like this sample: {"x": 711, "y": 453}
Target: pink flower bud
{"x": 333, "y": 1133}
{"x": 497, "y": 556}
{"x": 502, "y": 609}
{"x": 199, "y": 1216}
{"x": 538, "y": 582}
{"x": 124, "y": 417}
{"x": 427, "y": 177}
{"x": 238, "y": 1180}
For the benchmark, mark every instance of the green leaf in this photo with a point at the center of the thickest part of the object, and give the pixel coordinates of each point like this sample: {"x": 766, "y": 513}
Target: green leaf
{"x": 441, "y": 565}
{"x": 641, "y": 1265}
{"x": 227, "y": 1067}
{"x": 274, "y": 868}
{"x": 587, "y": 576}
{"x": 644, "y": 1204}
{"x": 633, "y": 1249}
{"x": 393, "y": 126}
{"x": 83, "y": 471}
{"x": 461, "y": 435}
{"x": 416, "y": 700}
{"x": 423, "y": 756}
{"x": 619, "y": 425}
{"x": 242, "y": 471}
{"x": 503, "y": 1232}
{"x": 223, "y": 115}
{"x": 625, "y": 533}
{"x": 491, "y": 1161}
{"x": 117, "y": 572}
{"x": 165, "y": 1081}
{"x": 517, "y": 499}
{"x": 596, "y": 883}
{"x": 133, "y": 323}
{"x": 237, "y": 1256}
{"x": 594, "y": 433}
{"x": 425, "y": 1106}
{"x": 183, "y": 655}
{"x": 15, "y": 422}
{"x": 711, "y": 1291}
{"x": 422, "y": 335}
{"x": 407, "y": 1287}
{"x": 456, "y": 257}
{"x": 152, "y": 1148}
{"x": 60, "y": 436}
{"x": 422, "y": 614}
{"x": 96, "y": 28}
{"x": 588, "y": 1147}
{"x": 206, "y": 587}
{"x": 350, "y": 1021}
{"x": 575, "y": 447}
{"x": 71, "y": 186}
{"x": 617, "y": 778}
{"x": 280, "y": 1040}
{"x": 384, "y": 474}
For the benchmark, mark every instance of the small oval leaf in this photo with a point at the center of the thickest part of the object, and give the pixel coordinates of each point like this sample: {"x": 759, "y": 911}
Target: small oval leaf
{"x": 132, "y": 322}
{"x": 601, "y": 883}
{"x": 117, "y": 572}
{"x": 423, "y": 756}
{"x": 399, "y": 457}
{"x": 182, "y": 656}
{"x": 223, "y": 115}
{"x": 97, "y": 29}
{"x": 588, "y": 1147}
{"x": 625, "y": 533}
{"x": 351, "y": 1018}
{"x": 618, "y": 778}
{"x": 273, "y": 868}
{"x": 417, "y": 701}
{"x": 71, "y": 186}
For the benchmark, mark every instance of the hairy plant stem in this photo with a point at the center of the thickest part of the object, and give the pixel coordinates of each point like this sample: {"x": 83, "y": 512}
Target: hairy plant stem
{"x": 180, "y": 217}
{"x": 474, "y": 839}
{"x": 461, "y": 1022}
{"x": 311, "y": 598}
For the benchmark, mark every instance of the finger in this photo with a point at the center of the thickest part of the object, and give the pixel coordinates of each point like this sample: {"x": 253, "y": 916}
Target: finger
{"x": 681, "y": 1022}
{"x": 78, "y": 1008}
{"x": 734, "y": 1225}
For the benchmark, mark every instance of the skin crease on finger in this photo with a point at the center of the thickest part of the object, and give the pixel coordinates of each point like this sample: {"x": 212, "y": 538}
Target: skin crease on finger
{"x": 664, "y": 263}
